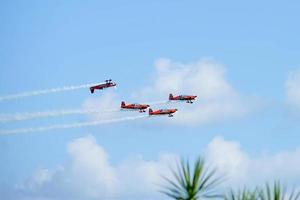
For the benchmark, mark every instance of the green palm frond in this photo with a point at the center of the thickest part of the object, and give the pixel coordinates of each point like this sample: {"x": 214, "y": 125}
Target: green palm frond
{"x": 244, "y": 194}
{"x": 277, "y": 192}
{"x": 191, "y": 183}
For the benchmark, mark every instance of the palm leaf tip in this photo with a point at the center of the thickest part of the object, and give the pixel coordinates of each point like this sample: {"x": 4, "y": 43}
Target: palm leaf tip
{"x": 277, "y": 191}
{"x": 191, "y": 183}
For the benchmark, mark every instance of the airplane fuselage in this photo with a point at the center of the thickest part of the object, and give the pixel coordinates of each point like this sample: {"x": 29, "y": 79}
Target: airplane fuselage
{"x": 187, "y": 98}
{"x": 141, "y": 107}
{"x": 102, "y": 86}
{"x": 163, "y": 112}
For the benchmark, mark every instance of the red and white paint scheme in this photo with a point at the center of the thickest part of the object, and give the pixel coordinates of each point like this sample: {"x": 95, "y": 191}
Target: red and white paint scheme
{"x": 134, "y": 106}
{"x": 107, "y": 84}
{"x": 187, "y": 98}
{"x": 162, "y": 112}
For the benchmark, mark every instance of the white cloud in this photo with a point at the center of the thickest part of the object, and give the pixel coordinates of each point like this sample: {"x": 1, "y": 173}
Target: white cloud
{"x": 142, "y": 178}
{"x": 292, "y": 86}
{"x": 88, "y": 174}
{"x": 242, "y": 169}
{"x": 217, "y": 99}
{"x": 229, "y": 159}
{"x": 104, "y": 107}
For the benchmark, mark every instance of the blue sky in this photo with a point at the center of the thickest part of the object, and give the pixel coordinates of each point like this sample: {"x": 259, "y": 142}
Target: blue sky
{"x": 46, "y": 44}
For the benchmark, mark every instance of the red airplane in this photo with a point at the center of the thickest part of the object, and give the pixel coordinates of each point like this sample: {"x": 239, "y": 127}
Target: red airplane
{"x": 107, "y": 84}
{"x": 141, "y": 107}
{"x": 162, "y": 112}
{"x": 187, "y": 98}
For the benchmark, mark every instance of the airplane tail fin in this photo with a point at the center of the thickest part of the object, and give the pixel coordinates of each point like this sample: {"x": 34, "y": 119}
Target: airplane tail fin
{"x": 122, "y": 104}
{"x": 150, "y": 111}
{"x": 92, "y": 90}
{"x": 170, "y": 96}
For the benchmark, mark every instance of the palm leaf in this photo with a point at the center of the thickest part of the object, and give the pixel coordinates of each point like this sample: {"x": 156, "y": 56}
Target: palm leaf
{"x": 244, "y": 194}
{"x": 277, "y": 192}
{"x": 191, "y": 183}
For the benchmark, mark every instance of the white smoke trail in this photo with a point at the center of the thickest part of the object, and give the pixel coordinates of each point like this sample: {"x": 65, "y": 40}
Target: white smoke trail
{"x": 66, "y": 126}
{"x": 4, "y": 118}
{"x": 46, "y": 91}
{"x": 38, "y": 115}
{"x": 156, "y": 102}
